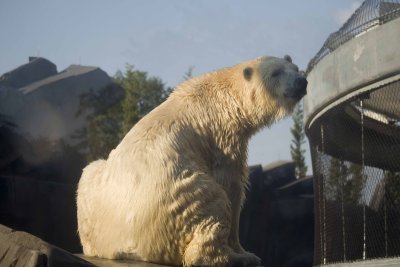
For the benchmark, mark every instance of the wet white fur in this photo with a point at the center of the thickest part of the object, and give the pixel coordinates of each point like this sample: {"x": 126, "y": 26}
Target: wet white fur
{"x": 172, "y": 190}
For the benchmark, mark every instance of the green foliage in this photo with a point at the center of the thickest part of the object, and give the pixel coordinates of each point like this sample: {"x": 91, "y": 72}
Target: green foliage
{"x": 104, "y": 122}
{"x": 334, "y": 182}
{"x": 298, "y": 141}
{"x": 104, "y": 133}
{"x": 112, "y": 111}
{"x": 142, "y": 94}
{"x": 345, "y": 181}
{"x": 353, "y": 187}
{"x": 392, "y": 187}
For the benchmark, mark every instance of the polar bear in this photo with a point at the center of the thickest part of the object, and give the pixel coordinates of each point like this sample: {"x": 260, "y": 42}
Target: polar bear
{"x": 172, "y": 190}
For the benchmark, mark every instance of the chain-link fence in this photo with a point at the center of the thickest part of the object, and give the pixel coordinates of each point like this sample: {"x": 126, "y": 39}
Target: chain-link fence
{"x": 354, "y": 137}
{"x": 356, "y": 162}
{"x": 370, "y": 14}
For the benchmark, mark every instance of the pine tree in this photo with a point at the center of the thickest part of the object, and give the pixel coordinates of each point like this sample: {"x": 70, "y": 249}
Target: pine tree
{"x": 336, "y": 180}
{"x": 355, "y": 185}
{"x": 298, "y": 141}
{"x": 392, "y": 187}
{"x": 345, "y": 181}
{"x": 188, "y": 74}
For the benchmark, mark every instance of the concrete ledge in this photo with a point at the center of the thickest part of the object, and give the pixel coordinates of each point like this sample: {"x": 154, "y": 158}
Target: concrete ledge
{"x": 391, "y": 262}
{"x": 369, "y": 58}
{"x": 117, "y": 263}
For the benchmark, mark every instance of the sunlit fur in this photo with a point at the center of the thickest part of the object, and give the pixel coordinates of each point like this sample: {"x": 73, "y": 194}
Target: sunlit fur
{"x": 172, "y": 190}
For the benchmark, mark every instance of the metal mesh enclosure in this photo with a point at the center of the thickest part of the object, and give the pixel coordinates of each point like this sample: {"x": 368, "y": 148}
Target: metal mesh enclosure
{"x": 370, "y": 14}
{"x": 353, "y": 125}
{"x": 356, "y": 162}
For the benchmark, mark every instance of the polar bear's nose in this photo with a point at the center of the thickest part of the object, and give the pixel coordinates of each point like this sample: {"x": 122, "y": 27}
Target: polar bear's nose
{"x": 300, "y": 85}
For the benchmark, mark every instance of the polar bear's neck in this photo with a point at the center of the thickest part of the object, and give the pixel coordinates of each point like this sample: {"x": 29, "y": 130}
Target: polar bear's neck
{"x": 214, "y": 114}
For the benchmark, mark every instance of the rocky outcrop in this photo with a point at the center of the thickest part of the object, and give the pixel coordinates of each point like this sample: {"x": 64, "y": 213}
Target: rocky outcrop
{"x": 49, "y": 119}
{"x": 41, "y": 158}
{"x": 23, "y": 249}
{"x": 49, "y": 107}
{"x": 36, "y": 69}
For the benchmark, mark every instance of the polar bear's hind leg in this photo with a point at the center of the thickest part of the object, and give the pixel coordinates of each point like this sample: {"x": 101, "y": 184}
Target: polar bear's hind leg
{"x": 86, "y": 206}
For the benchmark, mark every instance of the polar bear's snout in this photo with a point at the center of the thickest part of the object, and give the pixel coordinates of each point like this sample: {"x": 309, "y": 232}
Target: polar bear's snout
{"x": 298, "y": 88}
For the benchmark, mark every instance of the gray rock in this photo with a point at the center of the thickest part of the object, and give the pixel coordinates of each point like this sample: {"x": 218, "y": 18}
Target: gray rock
{"x": 23, "y": 249}
{"x": 51, "y": 105}
{"x": 36, "y": 69}
{"x": 44, "y": 103}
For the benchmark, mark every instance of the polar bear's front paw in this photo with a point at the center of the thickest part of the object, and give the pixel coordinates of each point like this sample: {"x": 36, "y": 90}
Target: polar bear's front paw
{"x": 242, "y": 260}
{"x": 251, "y": 259}
{"x": 220, "y": 257}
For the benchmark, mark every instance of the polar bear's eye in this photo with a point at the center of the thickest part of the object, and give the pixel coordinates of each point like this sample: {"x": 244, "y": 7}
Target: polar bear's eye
{"x": 276, "y": 73}
{"x": 247, "y": 73}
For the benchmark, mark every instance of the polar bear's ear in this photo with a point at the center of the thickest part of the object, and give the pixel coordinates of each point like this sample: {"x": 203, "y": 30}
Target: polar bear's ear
{"x": 287, "y": 58}
{"x": 247, "y": 73}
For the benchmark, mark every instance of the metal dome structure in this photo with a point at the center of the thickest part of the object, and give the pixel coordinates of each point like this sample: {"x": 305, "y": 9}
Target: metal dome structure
{"x": 352, "y": 120}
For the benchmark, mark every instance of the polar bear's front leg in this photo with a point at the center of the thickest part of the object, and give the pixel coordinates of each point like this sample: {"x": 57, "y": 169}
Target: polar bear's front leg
{"x": 234, "y": 233}
{"x": 209, "y": 245}
{"x": 209, "y": 217}
{"x": 233, "y": 241}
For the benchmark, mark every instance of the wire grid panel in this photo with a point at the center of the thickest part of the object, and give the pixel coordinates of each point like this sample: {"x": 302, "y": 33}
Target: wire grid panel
{"x": 356, "y": 161}
{"x": 370, "y": 14}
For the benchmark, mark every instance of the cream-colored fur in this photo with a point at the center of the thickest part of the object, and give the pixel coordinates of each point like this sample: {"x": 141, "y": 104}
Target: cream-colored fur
{"x": 172, "y": 190}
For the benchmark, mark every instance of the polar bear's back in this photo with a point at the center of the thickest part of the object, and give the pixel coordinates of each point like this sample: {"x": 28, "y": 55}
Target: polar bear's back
{"x": 132, "y": 189}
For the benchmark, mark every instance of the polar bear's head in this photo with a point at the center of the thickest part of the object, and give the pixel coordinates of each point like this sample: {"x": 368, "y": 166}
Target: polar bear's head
{"x": 273, "y": 87}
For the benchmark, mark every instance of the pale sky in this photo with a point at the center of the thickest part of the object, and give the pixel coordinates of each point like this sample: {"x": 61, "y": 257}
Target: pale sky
{"x": 165, "y": 38}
